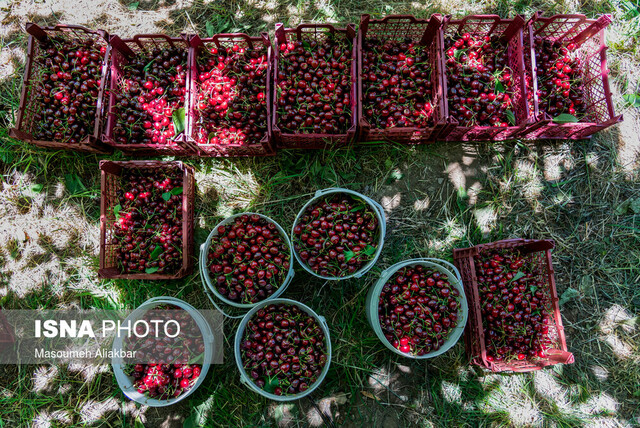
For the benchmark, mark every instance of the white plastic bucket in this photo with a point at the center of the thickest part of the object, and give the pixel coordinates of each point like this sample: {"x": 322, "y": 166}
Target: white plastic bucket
{"x": 244, "y": 377}
{"x": 210, "y": 288}
{"x": 126, "y": 383}
{"x": 379, "y": 213}
{"x": 373, "y": 297}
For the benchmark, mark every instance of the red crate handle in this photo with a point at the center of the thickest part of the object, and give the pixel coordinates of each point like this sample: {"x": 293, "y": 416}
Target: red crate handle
{"x": 40, "y": 33}
{"x": 250, "y": 41}
{"x": 562, "y": 357}
{"x": 433, "y": 24}
{"x": 598, "y": 25}
{"x": 479, "y": 18}
{"x": 140, "y": 38}
{"x": 548, "y": 20}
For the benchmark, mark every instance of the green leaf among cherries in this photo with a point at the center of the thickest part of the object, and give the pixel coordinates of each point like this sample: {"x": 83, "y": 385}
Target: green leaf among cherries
{"x": 179, "y": 120}
{"x": 271, "y": 384}
{"x": 565, "y": 118}
{"x": 156, "y": 252}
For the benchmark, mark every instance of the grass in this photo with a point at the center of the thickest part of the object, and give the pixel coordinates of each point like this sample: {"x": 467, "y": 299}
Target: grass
{"x": 437, "y": 198}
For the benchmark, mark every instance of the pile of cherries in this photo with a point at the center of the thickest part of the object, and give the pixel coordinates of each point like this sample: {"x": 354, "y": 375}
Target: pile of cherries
{"x": 337, "y": 235}
{"x": 231, "y": 105}
{"x": 283, "y": 349}
{"x": 396, "y": 84}
{"x": 480, "y": 83}
{"x": 148, "y": 226}
{"x": 152, "y": 87}
{"x": 314, "y": 86}
{"x": 168, "y": 370}
{"x": 559, "y": 72}
{"x": 514, "y": 305}
{"x": 418, "y": 309}
{"x": 70, "y": 69}
{"x": 248, "y": 259}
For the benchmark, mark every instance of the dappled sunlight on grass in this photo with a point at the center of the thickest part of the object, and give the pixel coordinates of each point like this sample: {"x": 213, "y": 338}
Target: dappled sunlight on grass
{"x": 451, "y": 392}
{"x": 617, "y": 316}
{"x": 389, "y": 203}
{"x": 45, "y": 419}
{"x": 43, "y": 378}
{"x": 512, "y": 399}
{"x": 93, "y": 411}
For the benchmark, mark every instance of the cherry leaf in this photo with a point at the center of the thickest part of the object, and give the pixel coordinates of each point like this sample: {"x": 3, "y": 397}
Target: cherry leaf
{"x": 565, "y": 118}
{"x": 116, "y": 211}
{"x": 370, "y": 250}
{"x": 166, "y": 196}
{"x": 348, "y": 255}
{"x": 176, "y": 191}
{"x": 178, "y": 117}
{"x": 271, "y": 384}
{"x": 151, "y": 269}
{"x": 156, "y": 252}
{"x": 518, "y": 275}
{"x": 499, "y": 87}
{"x": 510, "y": 117}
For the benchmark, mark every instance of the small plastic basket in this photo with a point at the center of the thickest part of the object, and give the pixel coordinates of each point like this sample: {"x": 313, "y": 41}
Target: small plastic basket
{"x": 378, "y": 211}
{"x": 474, "y": 337}
{"x": 372, "y": 303}
{"x": 209, "y": 286}
{"x": 121, "y": 52}
{"x": 510, "y": 30}
{"x": 244, "y": 378}
{"x": 314, "y": 141}
{"x": 125, "y": 382}
{"x": 110, "y": 171}
{"x": 589, "y": 37}
{"x": 425, "y": 32}
{"x": 30, "y": 105}
{"x": 264, "y": 147}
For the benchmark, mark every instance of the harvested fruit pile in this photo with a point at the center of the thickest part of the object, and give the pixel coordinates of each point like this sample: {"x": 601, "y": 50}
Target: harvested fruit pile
{"x": 231, "y": 105}
{"x": 148, "y": 227}
{"x": 337, "y": 235}
{"x": 514, "y": 305}
{"x": 314, "y": 86}
{"x": 149, "y": 99}
{"x": 559, "y": 72}
{"x": 479, "y": 81}
{"x": 172, "y": 371}
{"x": 396, "y": 80}
{"x": 248, "y": 259}
{"x": 283, "y": 349}
{"x": 418, "y": 309}
{"x": 70, "y": 69}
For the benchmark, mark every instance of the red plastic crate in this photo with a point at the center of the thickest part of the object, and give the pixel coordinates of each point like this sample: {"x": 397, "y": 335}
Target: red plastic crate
{"x": 539, "y": 250}
{"x": 121, "y": 51}
{"x": 424, "y": 32}
{"x": 264, "y": 147}
{"x": 588, "y": 35}
{"x": 30, "y": 105}
{"x": 510, "y": 30}
{"x": 314, "y": 141}
{"x": 110, "y": 171}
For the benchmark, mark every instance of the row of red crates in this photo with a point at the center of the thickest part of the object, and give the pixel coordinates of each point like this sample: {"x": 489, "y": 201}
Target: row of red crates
{"x": 530, "y": 121}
